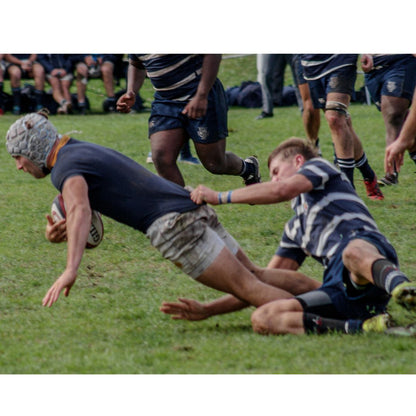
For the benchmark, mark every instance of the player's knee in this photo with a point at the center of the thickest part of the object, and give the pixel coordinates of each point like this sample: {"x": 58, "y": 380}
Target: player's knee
{"x": 352, "y": 253}
{"x": 163, "y": 158}
{"x": 336, "y": 114}
{"x": 260, "y": 321}
{"x": 336, "y": 121}
{"x": 269, "y": 320}
{"x": 213, "y": 166}
{"x": 394, "y": 118}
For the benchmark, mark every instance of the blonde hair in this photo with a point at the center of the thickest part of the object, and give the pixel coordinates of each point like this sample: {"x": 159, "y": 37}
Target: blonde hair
{"x": 292, "y": 147}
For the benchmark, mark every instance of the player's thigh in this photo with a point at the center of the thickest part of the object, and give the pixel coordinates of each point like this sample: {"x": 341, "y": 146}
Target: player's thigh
{"x": 166, "y": 144}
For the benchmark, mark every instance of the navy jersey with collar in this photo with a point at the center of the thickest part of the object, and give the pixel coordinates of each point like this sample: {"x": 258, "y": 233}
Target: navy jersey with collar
{"x": 119, "y": 187}
{"x": 326, "y": 218}
{"x": 173, "y": 76}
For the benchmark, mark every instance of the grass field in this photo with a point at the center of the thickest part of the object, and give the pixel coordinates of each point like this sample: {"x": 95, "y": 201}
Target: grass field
{"x": 111, "y": 324}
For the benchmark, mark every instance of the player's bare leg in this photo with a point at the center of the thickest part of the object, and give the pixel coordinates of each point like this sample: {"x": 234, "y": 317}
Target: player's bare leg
{"x": 229, "y": 275}
{"x": 216, "y": 160}
{"x": 291, "y": 281}
{"x": 166, "y": 146}
{"x": 279, "y": 317}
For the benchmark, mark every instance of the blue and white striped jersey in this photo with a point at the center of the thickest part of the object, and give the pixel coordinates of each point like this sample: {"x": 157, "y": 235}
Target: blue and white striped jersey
{"x": 320, "y": 65}
{"x": 174, "y": 77}
{"x": 324, "y": 217}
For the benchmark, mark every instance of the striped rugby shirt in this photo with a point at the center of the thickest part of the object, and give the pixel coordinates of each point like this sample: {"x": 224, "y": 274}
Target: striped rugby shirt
{"x": 174, "y": 77}
{"x": 320, "y": 65}
{"x": 324, "y": 217}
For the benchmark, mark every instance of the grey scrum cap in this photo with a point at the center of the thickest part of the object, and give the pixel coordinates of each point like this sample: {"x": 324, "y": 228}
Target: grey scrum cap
{"x": 33, "y": 137}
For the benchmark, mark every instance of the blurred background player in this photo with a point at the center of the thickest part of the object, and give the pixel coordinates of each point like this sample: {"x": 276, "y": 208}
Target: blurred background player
{"x": 311, "y": 116}
{"x": 271, "y": 76}
{"x": 394, "y": 157}
{"x": 390, "y": 80}
{"x": 189, "y": 103}
{"x": 331, "y": 80}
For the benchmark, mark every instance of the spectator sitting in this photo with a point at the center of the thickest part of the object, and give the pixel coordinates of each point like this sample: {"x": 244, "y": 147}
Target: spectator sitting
{"x": 58, "y": 69}
{"x": 1, "y": 84}
{"x": 102, "y": 66}
{"x": 26, "y": 66}
{"x": 81, "y": 78}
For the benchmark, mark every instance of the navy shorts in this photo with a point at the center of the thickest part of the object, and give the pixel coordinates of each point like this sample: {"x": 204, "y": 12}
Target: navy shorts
{"x": 300, "y": 80}
{"x": 337, "y": 298}
{"x": 167, "y": 115}
{"x": 396, "y": 80}
{"x": 341, "y": 80}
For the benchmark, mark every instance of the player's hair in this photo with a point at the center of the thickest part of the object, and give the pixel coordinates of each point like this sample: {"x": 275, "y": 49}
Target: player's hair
{"x": 292, "y": 147}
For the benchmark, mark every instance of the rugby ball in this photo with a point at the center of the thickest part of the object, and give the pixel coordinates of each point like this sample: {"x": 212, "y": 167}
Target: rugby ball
{"x": 58, "y": 212}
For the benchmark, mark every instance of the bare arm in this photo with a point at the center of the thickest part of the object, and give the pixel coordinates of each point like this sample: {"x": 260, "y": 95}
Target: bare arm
{"x": 259, "y": 194}
{"x": 405, "y": 141}
{"x": 136, "y": 74}
{"x": 192, "y": 310}
{"x": 78, "y": 221}
{"x": 285, "y": 278}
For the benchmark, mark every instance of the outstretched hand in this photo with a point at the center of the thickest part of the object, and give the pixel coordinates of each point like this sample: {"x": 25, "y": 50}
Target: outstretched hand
{"x": 65, "y": 281}
{"x": 186, "y": 309}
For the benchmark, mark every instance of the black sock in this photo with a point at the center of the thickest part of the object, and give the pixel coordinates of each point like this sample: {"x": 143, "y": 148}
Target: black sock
{"x": 315, "y": 324}
{"x": 39, "y": 98}
{"x": 347, "y": 166}
{"x": 365, "y": 168}
{"x": 16, "y": 92}
{"x": 244, "y": 169}
{"x": 387, "y": 275}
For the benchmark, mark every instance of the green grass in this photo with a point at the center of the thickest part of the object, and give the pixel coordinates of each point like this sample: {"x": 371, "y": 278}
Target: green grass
{"x": 110, "y": 323}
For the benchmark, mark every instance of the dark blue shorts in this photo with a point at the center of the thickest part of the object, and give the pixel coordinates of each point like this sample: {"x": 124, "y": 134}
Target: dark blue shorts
{"x": 298, "y": 70}
{"x": 337, "y": 298}
{"x": 341, "y": 80}
{"x": 395, "y": 80}
{"x": 167, "y": 115}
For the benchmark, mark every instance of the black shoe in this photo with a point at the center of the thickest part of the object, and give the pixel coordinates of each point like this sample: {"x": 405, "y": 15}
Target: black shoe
{"x": 109, "y": 105}
{"x": 264, "y": 115}
{"x": 389, "y": 179}
{"x": 252, "y": 173}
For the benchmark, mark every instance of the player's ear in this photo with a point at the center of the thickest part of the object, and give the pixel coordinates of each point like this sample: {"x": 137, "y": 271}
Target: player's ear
{"x": 299, "y": 160}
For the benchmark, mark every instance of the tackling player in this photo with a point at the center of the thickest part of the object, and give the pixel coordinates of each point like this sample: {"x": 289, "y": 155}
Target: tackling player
{"x": 332, "y": 225}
